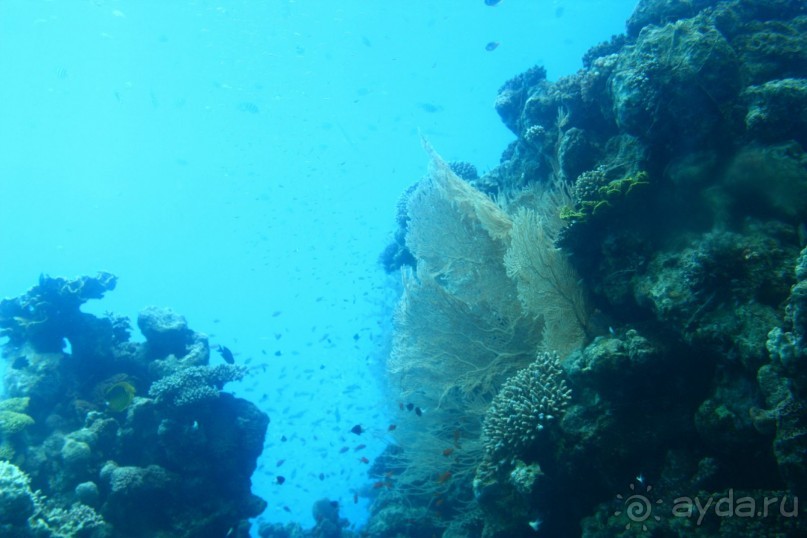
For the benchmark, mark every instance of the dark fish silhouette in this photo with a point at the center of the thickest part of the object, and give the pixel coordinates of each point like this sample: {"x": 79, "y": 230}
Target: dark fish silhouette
{"x": 357, "y": 429}
{"x": 226, "y": 354}
{"x": 492, "y": 3}
{"x": 280, "y": 479}
{"x": 491, "y": 46}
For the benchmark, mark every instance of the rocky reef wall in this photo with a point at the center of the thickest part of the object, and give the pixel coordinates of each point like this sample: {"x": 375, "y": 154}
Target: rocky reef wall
{"x": 669, "y": 176}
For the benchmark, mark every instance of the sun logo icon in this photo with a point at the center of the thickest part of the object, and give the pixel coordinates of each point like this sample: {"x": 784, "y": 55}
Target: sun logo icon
{"x": 638, "y": 507}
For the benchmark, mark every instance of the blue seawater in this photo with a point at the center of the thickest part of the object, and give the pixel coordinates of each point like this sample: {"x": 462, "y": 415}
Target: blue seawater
{"x": 241, "y": 161}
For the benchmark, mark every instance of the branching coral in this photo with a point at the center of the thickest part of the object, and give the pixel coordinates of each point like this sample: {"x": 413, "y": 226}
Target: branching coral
{"x": 536, "y": 396}
{"x": 528, "y": 401}
{"x": 195, "y": 384}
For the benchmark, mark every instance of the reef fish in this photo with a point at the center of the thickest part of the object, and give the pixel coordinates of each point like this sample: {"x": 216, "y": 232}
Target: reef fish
{"x": 492, "y": 3}
{"x": 226, "y": 354}
{"x": 119, "y": 396}
{"x": 491, "y": 46}
{"x": 357, "y": 429}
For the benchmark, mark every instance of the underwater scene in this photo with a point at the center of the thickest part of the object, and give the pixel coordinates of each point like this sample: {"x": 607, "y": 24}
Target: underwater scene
{"x": 425, "y": 269}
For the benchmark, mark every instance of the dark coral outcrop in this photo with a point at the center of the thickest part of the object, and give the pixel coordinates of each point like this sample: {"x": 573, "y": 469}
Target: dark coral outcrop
{"x": 681, "y": 150}
{"x": 121, "y": 439}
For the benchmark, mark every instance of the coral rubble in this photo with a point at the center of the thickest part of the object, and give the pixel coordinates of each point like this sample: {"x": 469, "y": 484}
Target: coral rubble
{"x": 104, "y": 437}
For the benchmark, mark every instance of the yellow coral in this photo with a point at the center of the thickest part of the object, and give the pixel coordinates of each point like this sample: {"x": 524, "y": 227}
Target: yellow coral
{"x": 12, "y": 417}
{"x": 12, "y": 422}
{"x": 18, "y": 405}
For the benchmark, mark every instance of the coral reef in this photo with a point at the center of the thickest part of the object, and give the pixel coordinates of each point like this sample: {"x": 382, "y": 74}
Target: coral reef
{"x": 665, "y": 186}
{"x": 328, "y": 524}
{"x": 534, "y": 397}
{"x": 195, "y": 384}
{"x": 119, "y": 438}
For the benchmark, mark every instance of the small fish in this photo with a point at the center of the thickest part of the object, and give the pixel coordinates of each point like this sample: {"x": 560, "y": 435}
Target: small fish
{"x": 252, "y": 108}
{"x": 492, "y": 3}
{"x": 280, "y": 462}
{"x": 359, "y": 447}
{"x": 344, "y": 449}
{"x": 287, "y": 509}
{"x": 226, "y": 354}
{"x": 357, "y": 429}
{"x": 364, "y": 460}
{"x": 443, "y": 478}
{"x": 430, "y": 108}
{"x": 283, "y": 438}
{"x": 322, "y": 476}
{"x": 410, "y": 406}
{"x": 491, "y": 46}
{"x": 447, "y": 452}
{"x": 280, "y": 479}
{"x": 419, "y": 411}
{"x": 391, "y": 428}
{"x": 355, "y": 498}
{"x": 382, "y": 484}
{"x": 401, "y": 406}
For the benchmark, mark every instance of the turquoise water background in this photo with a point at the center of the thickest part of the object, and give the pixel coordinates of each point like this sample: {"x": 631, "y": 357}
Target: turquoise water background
{"x": 240, "y": 163}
